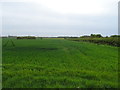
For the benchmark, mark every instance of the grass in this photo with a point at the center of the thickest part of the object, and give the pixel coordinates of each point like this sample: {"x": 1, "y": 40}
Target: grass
{"x": 58, "y": 63}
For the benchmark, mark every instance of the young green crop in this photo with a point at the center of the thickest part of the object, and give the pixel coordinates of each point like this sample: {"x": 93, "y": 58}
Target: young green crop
{"x": 59, "y": 63}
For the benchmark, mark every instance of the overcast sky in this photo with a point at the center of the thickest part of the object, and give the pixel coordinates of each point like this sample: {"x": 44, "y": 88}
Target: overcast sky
{"x": 59, "y": 17}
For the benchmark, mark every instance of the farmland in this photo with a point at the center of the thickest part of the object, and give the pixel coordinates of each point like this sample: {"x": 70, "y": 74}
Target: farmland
{"x": 58, "y": 63}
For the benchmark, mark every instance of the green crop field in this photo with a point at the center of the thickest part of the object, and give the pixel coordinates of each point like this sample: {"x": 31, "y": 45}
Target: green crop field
{"x": 58, "y": 63}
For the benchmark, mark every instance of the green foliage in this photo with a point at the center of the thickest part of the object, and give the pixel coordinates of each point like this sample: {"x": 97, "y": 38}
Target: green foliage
{"x": 59, "y": 63}
{"x": 96, "y": 35}
{"x": 115, "y": 36}
{"x": 106, "y": 40}
{"x": 85, "y": 36}
{"x": 27, "y": 37}
{"x": 92, "y": 36}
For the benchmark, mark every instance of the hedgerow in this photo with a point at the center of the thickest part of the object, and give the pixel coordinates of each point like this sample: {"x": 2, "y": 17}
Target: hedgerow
{"x": 114, "y": 41}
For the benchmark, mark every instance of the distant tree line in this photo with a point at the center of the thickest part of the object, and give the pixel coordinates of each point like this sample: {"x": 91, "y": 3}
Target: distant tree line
{"x": 97, "y": 36}
{"x": 99, "y": 39}
{"x": 115, "y": 36}
{"x": 27, "y": 37}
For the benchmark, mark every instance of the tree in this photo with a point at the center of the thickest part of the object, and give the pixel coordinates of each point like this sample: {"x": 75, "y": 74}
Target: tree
{"x": 96, "y": 35}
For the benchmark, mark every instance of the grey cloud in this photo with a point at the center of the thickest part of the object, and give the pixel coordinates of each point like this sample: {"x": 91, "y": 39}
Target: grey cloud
{"x": 29, "y": 18}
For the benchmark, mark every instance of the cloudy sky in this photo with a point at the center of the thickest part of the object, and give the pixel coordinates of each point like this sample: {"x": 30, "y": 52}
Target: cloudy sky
{"x": 59, "y": 17}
